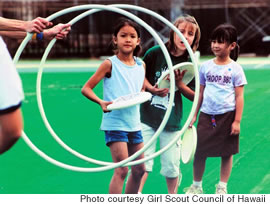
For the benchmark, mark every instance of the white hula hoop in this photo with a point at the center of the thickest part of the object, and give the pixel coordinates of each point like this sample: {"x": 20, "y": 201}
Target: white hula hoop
{"x": 195, "y": 75}
{"x": 193, "y": 58}
{"x": 114, "y": 9}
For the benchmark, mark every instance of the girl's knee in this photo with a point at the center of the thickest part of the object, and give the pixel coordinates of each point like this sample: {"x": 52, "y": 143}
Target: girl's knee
{"x": 138, "y": 171}
{"x": 121, "y": 172}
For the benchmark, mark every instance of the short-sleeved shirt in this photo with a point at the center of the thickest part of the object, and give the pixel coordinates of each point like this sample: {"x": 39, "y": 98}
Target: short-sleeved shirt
{"x": 11, "y": 94}
{"x": 152, "y": 113}
{"x": 220, "y": 82}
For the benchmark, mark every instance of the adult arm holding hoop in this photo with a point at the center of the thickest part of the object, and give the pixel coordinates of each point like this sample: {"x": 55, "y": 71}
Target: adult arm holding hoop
{"x": 38, "y": 25}
{"x": 60, "y": 32}
{"x": 35, "y": 26}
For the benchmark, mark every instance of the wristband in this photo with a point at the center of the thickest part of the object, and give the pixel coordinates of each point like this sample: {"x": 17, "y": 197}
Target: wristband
{"x": 40, "y": 36}
{"x": 34, "y": 36}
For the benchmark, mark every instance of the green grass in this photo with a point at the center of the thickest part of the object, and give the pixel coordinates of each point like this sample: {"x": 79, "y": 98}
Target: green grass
{"x": 76, "y": 121}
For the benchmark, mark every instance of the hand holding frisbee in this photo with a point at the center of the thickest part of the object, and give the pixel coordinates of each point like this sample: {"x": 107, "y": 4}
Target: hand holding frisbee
{"x": 163, "y": 82}
{"x": 129, "y": 100}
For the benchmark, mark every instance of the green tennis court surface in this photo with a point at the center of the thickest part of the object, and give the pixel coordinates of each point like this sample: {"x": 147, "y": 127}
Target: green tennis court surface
{"x": 76, "y": 121}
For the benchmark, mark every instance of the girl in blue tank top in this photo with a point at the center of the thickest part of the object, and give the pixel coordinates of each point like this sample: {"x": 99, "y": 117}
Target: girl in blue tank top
{"x": 122, "y": 74}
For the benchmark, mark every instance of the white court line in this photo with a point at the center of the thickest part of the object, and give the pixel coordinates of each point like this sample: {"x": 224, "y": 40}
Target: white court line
{"x": 264, "y": 182}
{"x": 81, "y": 66}
{"x": 258, "y": 66}
{"x": 59, "y": 67}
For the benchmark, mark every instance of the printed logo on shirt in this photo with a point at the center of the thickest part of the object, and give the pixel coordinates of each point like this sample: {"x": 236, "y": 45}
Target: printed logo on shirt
{"x": 219, "y": 79}
{"x": 159, "y": 73}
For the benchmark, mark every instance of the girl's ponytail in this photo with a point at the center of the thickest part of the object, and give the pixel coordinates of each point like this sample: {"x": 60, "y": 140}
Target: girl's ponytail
{"x": 235, "y": 52}
{"x": 137, "y": 51}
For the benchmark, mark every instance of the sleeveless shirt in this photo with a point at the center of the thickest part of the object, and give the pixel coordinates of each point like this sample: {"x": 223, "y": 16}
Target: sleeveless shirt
{"x": 124, "y": 80}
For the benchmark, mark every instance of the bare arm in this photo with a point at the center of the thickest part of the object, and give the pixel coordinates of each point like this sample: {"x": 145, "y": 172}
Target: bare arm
{"x": 162, "y": 92}
{"x": 11, "y": 125}
{"x": 143, "y": 87}
{"x": 35, "y": 26}
{"x": 184, "y": 89}
{"x": 59, "y": 31}
{"x": 87, "y": 90}
{"x": 198, "y": 106}
{"x": 239, "y": 106}
{"x": 154, "y": 89}
{"x": 14, "y": 35}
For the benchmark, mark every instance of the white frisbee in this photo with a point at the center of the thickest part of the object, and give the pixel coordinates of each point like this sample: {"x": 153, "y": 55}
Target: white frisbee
{"x": 189, "y": 144}
{"x": 129, "y": 100}
{"x": 189, "y": 75}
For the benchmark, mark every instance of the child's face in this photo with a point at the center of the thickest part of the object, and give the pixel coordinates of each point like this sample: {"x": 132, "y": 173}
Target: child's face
{"x": 126, "y": 39}
{"x": 188, "y": 30}
{"x": 221, "y": 49}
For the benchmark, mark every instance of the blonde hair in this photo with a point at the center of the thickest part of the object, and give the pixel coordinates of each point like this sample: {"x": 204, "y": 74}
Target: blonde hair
{"x": 185, "y": 18}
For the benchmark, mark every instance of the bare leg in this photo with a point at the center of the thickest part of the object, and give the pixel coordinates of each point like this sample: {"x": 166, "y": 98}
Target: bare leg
{"x": 117, "y": 181}
{"x": 198, "y": 168}
{"x": 137, "y": 171}
{"x": 172, "y": 184}
{"x": 119, "y": 152}
{"x": 11, "y": 125}
{"x": 226, "y": 168}
{"x": 143, "y": 180}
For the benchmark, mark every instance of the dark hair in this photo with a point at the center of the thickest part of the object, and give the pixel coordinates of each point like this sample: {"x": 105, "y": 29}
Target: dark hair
{"x": 121, "y": 23}
{"x": 185, "y": 18}
{"x": 226, "y": 33}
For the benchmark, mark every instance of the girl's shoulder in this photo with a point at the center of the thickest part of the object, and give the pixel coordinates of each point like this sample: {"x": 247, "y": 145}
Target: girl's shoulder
{"x": 111, "y": 58}
{"x": 139, "y": 61}
{"x": 207, "y": 63}
{"x": 236, "y": 64}
{"x": 107, "y": 62}
{"x": 106, "y": 65}
{"x": 237, "y": 68}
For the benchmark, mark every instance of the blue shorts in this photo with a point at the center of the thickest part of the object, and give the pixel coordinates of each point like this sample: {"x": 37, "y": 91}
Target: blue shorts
{"x": 122, "y": 136}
